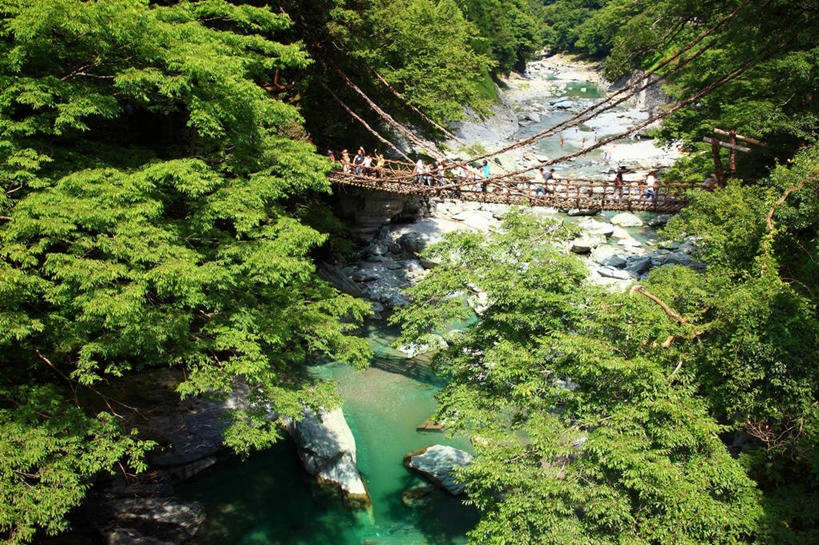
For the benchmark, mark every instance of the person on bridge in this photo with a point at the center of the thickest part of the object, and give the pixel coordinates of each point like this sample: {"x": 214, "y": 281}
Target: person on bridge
{"x": 484, "y": 174}
{"x": 651, "y": 181}
{"x": 365, "y": 166}
{"x": 358, "y": 160}
{"x": 379, "y": 165}
{"x": 618, "y": 181}
{"x": 345, "y": 161}
{"x": 546, "y": 178}
{"x": 418, "y": 171}
{"x": 331, "y": 155}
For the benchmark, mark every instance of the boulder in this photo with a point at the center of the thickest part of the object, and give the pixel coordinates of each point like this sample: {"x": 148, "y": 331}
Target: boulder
{"x": 677, "y": 258}
{"x": 586, "y": 244}
{"x": 629, "y": 243}
{"x": 596, "y": 227}
{"x": 533, "y": 117}
{"x": 668, "y": 245}
{"x": 626, "y": 219}
{"x": 327, "y": 449}
{"x": 659, "y": 220}
{"x": 563, "y": 104}
{"x": 615, "y": 261}
{"x": 338, "y": 277}
{"x": 412, "y": 242}
{"x": 638, "y": 265}
{"x": 603, "y": 252}
{"x": 436, "y": 463}
{"x": 619, "y": 233}
{"x": 365, "y": 275}
{"x": 150, "y": 521}
{"x": 619, "y": 274}
{"x": 417, "y": 496}
{"x": 131, "y": 536}
{"x": 431, "y": 343}
{"x": 687, "y": 248}
{"x": 479, "y": 220}
{"x": 582, "y": 211}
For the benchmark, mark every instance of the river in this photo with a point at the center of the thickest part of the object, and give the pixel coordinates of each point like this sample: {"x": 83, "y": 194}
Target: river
{"x": 269, "y": 499}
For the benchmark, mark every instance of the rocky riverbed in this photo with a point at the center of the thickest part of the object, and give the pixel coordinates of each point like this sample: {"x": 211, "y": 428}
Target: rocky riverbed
{"x": 618, "y": 249}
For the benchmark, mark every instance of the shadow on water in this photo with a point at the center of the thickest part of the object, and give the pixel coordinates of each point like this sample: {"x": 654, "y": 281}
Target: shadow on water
{"x": 267, "y": 500}
{"x": 443, "y": 519}
{"x": 270, "y": 500}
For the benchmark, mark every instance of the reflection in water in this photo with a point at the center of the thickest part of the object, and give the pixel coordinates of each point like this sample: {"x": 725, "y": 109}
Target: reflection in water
{"x": 269, "y": 499}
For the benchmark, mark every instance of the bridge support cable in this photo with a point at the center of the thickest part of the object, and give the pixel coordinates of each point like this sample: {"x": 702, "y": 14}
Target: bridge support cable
{"x": 364, "y": 123}
{"x": 424, "y": 116}
{"x": 387, "y": 117}
{"x": 732, "y": 74}
{"x": 629, "y": 91}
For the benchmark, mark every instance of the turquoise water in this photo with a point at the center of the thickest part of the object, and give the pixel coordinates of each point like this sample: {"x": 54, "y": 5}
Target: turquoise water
{"x": 270, "y": 500}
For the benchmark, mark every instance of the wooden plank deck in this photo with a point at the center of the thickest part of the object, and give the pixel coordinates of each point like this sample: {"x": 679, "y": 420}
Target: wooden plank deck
{"x": 566, "y": 193}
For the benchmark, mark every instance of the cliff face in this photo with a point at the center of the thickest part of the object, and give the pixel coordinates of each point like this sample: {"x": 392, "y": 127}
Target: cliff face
{"x": 651, "y": 98}
{"x": 367, "y": 211}
{"x": 501, "y": 123}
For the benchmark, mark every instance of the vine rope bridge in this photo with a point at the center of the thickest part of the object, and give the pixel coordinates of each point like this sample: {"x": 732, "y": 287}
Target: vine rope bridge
{"x": 563, "y": 193}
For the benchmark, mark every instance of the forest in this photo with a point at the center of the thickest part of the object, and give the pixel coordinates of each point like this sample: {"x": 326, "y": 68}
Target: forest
{"x": 164, "y": 202}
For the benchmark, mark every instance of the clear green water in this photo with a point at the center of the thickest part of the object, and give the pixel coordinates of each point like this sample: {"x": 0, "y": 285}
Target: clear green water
{"x": 270, "y": 500}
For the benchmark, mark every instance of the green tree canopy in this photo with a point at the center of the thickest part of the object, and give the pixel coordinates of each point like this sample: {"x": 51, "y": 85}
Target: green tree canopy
{"x": 147, "y": 180}
{"x": 583, "y": 435}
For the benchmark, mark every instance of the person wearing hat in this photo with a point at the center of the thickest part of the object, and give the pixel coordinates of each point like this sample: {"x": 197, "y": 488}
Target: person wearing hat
{"x": 345, "y": 160}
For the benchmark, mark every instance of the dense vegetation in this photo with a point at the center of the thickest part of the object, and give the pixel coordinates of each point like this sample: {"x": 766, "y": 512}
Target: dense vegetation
{"x": 146, "y": 221}
{"x": 622, "y": 421}
{"x": 161, "y": 207}
{"x": 775, "y": 102}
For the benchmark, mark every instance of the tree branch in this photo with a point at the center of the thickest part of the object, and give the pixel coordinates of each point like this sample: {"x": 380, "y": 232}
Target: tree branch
{"x": 671, "y": 313}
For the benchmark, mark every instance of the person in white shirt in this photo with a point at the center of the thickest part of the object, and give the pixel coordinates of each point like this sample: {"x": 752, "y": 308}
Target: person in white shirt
{"x": 419, "y": 170}
{"x": 651, "y": 181}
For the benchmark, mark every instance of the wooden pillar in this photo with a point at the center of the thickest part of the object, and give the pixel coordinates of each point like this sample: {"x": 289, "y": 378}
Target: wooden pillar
{"x": 732, "y": 164}
{"x": 718, "y": 172}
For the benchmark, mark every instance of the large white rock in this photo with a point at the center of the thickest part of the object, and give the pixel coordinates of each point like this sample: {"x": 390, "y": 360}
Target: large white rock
{"x": 596, "y": 227}
{"x": 436, "y": 463}
{"x": 626, "y": 219}
{"x": 586, "y": 243}
{"x": 327, "y": 449}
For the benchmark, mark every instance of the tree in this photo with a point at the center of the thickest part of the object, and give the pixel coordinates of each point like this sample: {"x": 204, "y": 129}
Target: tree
{"x": 583, "y": 432}
{"x": 147, "y": 178}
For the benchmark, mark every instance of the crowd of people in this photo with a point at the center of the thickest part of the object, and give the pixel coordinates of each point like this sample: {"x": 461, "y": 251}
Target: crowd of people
{"x": 467, "y": 177}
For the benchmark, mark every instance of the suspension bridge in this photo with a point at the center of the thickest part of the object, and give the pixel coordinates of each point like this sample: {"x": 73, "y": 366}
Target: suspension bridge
{"x": 398, "y": 176}
{"x": 562, "y": 193}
